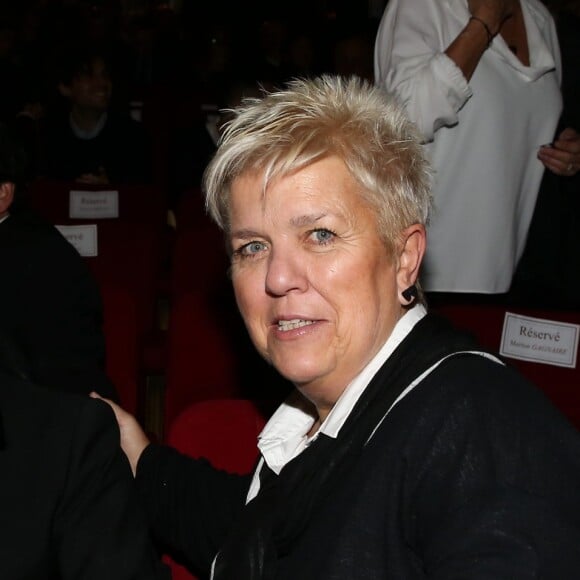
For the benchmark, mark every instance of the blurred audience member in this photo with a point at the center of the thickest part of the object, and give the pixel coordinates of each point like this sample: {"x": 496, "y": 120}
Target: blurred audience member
{"x": 193, "y": 145}
{"x": 52, "y": 310}
{"x": 211, "y": 60}
{"x": 87, "y": 140}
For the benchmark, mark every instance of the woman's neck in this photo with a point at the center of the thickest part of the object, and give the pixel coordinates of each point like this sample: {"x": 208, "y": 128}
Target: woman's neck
{"x": 514, "y": 34}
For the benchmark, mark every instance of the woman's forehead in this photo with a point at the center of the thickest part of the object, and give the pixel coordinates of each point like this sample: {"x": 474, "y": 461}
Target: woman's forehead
{"x": 323, "y": 188}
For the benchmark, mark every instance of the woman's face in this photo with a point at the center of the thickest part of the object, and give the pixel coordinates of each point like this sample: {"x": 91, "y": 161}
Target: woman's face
{"x": 313, "y": 280}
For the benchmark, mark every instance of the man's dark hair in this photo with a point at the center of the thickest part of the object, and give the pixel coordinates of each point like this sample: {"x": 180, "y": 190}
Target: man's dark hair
{"x": 79, "y": 59}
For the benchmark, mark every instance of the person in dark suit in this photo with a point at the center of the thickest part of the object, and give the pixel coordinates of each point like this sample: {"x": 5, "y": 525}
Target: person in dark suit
{"x": 66, "y": 491}
{"x": 51, "y": 304}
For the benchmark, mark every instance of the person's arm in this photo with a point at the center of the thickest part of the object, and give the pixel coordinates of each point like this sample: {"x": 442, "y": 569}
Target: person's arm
{"x": 99, "y": 528}
{"x": 427, "y": 69}
{"x": 190, "y": 506}
{"x": 487, "y": 18}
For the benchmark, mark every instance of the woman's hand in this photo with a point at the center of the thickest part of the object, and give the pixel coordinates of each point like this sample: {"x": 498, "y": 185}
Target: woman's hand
{"x": 493, "y": 12}
{"x": 468, "y": 47}
{"x": 562, "y": 157}
{"x": 133, "y": 438}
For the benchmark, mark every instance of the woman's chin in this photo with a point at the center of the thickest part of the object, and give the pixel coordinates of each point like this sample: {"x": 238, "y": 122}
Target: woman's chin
{"x": 297, "y": 374}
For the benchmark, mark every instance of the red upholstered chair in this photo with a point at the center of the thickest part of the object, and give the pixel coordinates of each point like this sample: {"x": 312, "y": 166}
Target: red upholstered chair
{"x": 190, "y": 210}
{"x": 224, "y": 432}
{"x": 129, "y": 256}
{"x": 202, "y": 362}
{"x": 199, "y": 261}
{"x": 130, "y": 248}
{"x": 561, "y": 384}
{"x": 122, "y": 344}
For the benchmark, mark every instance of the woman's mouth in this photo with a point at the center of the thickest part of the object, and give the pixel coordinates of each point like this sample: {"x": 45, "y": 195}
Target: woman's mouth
{"x": 286, "y": 325}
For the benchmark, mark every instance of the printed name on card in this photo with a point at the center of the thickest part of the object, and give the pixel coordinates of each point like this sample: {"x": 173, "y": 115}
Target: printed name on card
{"x": 82, "y": 237}
{"x": 538, "y": 340}
{"x": 93, "y": 204}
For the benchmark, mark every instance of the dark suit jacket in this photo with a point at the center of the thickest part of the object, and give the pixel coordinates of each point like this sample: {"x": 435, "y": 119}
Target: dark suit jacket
{"x": 122, "y": 149}
{"x": 51, "y": 307}
{"x": 66, "y": 491}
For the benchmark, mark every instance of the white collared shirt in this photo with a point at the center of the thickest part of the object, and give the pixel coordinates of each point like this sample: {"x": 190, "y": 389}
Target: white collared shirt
{"x": 90, "y": 134}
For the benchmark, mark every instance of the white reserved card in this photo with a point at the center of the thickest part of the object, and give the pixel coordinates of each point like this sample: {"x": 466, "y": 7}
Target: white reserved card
{"x": 93, "y": 204}
{"x": 538, "y": 340}
{"x": 82, "y": 237}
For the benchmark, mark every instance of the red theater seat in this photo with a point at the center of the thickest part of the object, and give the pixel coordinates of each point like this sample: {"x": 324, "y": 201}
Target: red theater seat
{"x": 137, "y": 202}
{"x": 202, "y": 362}
{"x": 224, "y": 432}
{"x": 199, "y": 260}
{"x": 122, "y": 345}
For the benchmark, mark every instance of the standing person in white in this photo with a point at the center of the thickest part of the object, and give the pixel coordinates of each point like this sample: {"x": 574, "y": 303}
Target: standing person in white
{"x": 481, "y": 79}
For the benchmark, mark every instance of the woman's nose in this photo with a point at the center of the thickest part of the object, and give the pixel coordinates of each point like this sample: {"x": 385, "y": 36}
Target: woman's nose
{"x": 286, "y": 273}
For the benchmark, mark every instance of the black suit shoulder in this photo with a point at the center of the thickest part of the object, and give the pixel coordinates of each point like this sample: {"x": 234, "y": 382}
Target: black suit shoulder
{"x": 53, "y": 311}
{"x": 66, "y": 494}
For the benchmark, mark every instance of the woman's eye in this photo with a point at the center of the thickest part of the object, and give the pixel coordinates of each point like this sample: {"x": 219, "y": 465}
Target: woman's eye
{"x": 251, "y": 249}
{"x": 322, "y": 236}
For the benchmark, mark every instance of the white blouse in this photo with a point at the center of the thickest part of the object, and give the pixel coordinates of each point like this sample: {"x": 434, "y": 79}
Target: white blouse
{"x": 482, "y": 137}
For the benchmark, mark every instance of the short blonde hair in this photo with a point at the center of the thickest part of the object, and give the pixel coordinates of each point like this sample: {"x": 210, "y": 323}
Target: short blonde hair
{"x": 311, "y": 119}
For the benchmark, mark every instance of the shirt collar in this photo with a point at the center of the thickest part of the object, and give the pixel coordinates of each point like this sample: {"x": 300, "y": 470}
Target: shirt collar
{"x": 86, "y": 135}
{"x": 285, "y": 434}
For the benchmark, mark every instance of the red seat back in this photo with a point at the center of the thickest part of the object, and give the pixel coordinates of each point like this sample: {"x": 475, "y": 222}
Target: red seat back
{"x": 137, "y": 202}
{"x": 224, "y": 432}
{"x": 202, "y": 362}
{"x": 122, "y": 344}
{"x": 199, "y": 260}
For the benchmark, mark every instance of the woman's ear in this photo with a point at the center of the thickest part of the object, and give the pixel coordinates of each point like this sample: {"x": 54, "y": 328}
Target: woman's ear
{"x": 412, "y": 250}
{"x": 6, "y": 197}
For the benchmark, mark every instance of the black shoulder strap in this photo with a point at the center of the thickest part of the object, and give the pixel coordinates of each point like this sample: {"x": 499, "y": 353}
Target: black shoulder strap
{"x": 432, "y": 339}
